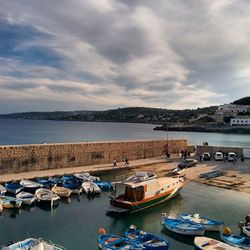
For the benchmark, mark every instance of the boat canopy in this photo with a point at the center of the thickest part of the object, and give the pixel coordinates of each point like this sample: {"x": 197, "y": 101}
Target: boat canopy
{"x": 141, "y": 176}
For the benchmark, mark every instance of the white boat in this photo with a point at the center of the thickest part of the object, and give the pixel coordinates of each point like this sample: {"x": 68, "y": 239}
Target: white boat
{"x": 46, "y": 197}
{"x": 33, "y": 244}
{"x": 182, "y": 226}
{"x": 246, "y": 230}
{"x": 90, "y": 187}
{"x": 2, "y": 190}
{"x": 62, "y": 191}
{"x": 142, "y": 191}
{"x": 10, "y": 202}
{"x": 30, "y": 186}
{"x": 209, "y": 224}
{"x": 86, "y": 177}
{"x": 204, "y": 243}
{"x": 26, "y": 198}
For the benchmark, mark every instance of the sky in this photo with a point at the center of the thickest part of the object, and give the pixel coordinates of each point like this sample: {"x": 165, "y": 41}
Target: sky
{"x": 104, "y": 54}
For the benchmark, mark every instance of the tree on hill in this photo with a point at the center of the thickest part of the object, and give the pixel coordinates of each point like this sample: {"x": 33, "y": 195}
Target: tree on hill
{"x": 243, "y": 101}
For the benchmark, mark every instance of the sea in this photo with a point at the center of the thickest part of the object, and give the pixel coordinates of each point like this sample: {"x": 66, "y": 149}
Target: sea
{"x": 75, "y": 222}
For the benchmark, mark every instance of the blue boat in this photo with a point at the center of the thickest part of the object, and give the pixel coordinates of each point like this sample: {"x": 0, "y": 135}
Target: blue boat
{"x": 181, "y": 226}
{"x": 149, "y": 241}
{"x": 43, "y": 181}
{"x": 114, "y": 242}
{"x": 209, "y": 224}
{"x": 74, "y": 185}
{"x": 239, "y": 241}
{"x": 104, "y": 185}
{"x": 13, "y": 187}
{"x": 69, "y": 178}
{"x": 55, "y": 181}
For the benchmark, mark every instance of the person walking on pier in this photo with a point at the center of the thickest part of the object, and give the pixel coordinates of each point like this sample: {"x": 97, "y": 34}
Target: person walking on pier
{"x": 114, "y": 163}
{"x": 126, "y": 162}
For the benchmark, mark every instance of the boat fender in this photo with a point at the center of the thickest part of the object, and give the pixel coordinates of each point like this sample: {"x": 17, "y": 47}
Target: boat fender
{"x": 227, "y": 231}
{"x": 102, "y": 230}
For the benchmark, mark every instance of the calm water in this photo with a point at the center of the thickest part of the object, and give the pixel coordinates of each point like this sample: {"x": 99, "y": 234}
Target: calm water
{"x": 75, "y": 225}
{"x": 32, "y": 131}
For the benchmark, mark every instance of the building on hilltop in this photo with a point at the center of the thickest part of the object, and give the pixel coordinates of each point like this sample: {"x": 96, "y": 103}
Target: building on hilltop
{"x": 231, "y": 109}
{"x": 240, "y": 121}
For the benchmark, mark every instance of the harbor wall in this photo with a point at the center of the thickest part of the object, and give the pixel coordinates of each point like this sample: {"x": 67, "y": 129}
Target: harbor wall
{"x": 21, "y": 158}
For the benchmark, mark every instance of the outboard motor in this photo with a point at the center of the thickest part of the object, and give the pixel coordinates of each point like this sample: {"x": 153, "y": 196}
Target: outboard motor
{"x": 247, "y": 220}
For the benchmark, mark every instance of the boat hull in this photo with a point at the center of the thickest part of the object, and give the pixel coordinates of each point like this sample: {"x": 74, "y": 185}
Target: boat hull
{"x": 130, "y": 208}
{"x": 227, "y": 239}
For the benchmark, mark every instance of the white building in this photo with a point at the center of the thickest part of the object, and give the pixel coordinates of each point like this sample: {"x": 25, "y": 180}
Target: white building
{"x": 231, "y": 109}
{"x": 240, "y": 121}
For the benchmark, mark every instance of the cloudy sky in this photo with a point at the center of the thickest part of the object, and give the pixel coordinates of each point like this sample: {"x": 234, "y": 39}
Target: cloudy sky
{"x": 101, "y": 54}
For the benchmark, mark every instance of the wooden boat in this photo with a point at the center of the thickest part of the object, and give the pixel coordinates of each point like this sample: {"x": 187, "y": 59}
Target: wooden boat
{"x": 86, "y": 177}
{"x": 61, "y": 191}
{"x": 239, "y": 241}
{"x": 26, "y": 198}
{"x": 210, "y": 225}
{"x": 33, "y": 244}
{"x": 90, "y": 187}
{"x": 46, "y": 197}
{"x": 2, "y": 190}
{"x": 104, "y": 185}
{"x": 182, "y": 226}
{"x": 143, "y": 191}
{"x": 30, "y": 186}
{"x": 204, "y": 243}
{"x": 246, "y": 230}
{"x": 13, "y": 187}
{"x": 148, "y": 241}
{"x": 114, "y": 242}
{"x": 10, "y": 202}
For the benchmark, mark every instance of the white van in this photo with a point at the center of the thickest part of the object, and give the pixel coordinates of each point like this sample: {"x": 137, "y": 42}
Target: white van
{"x": 218, "y": 156}
{"x": 231, "y": 156}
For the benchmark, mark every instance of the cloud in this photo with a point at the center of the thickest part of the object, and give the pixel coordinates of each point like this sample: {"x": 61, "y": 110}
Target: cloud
{"x": 107, "y": 54}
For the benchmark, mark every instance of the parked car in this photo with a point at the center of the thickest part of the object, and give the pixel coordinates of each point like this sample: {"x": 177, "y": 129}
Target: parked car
{"x": 179, "y": 170}
{"x": 231, "y": 156}
{"x": 187, "y": 163}
{"x": 206, "y": 156}
{"x": 218, "y": 156}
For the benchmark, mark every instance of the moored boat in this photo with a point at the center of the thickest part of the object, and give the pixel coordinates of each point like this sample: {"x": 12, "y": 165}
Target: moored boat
{"x": 182, "y": 226}
{"x": 44, "y": 182}
{"x": 61, "y": 191}
{"x": 13, "y": 187}
{"x": 104, "y": 185}
{"x": 46, "y": 197}
{"x": 209, "y": 224}
{"x": 86, "y": 177}
{"x": 2, "y": 190}
{"x": 30, "y": 186}
{"x": 204, "y": 243}
{"x": 74, "y": 185}
{"x": 10, "y": 202}
{"x": 55, "y": 181}
{"x": 148, "y": 241}
{"x": 90, "y": 187}
{"x": 33, "y": 244}
{"x": 26, "y": 198}
{"x": 114, "y": 242}
{"x": 138, "y": 195}
{"x": 246, "y": 230}
{"x": 239, "y": 241}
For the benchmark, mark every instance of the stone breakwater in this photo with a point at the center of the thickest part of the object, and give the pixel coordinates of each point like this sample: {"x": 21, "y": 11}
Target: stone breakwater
{"x": 21, "y": 158}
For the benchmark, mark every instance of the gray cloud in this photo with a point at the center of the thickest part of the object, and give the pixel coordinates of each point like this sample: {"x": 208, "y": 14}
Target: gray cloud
{"x": 107, "y": 53}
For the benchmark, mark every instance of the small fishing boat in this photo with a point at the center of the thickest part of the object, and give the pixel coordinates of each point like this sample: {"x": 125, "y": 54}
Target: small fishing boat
{"x": 104, "y": 185}
{"x": 26, "y": 198}
{"x": 182, "y": 226}
{"x": 68, "y": 177}
{"x": 13, "y": 187}
{"x": 33, "y": 244}
{"x": 204, "y": 243}
{"x": 30, "y": 186}
{"x": 86, "y": 177}
{"x": 149, "y": 241}
{"x": 55, "y": 181}
{"x": 239, "y": 241}
{"x": 114, "y": 242}
{"x": 144, "y": 190}
{"x": 74, "y": 185}
{"x": 2, "y": 190}
{"x": 90, "y": 187}
{"x": 44, "y": 182}
{"x": 246, "y": 230}
{"x": 10, "y": 202}
{"x": 46, "y": 197}
{"x": 61, "y": 191}
{"x": 210, "y": 225}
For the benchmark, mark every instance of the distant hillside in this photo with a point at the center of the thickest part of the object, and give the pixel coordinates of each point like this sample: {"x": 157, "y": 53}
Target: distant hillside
{"x": 243, "y": 101}
{"x": 130, "y": 114}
